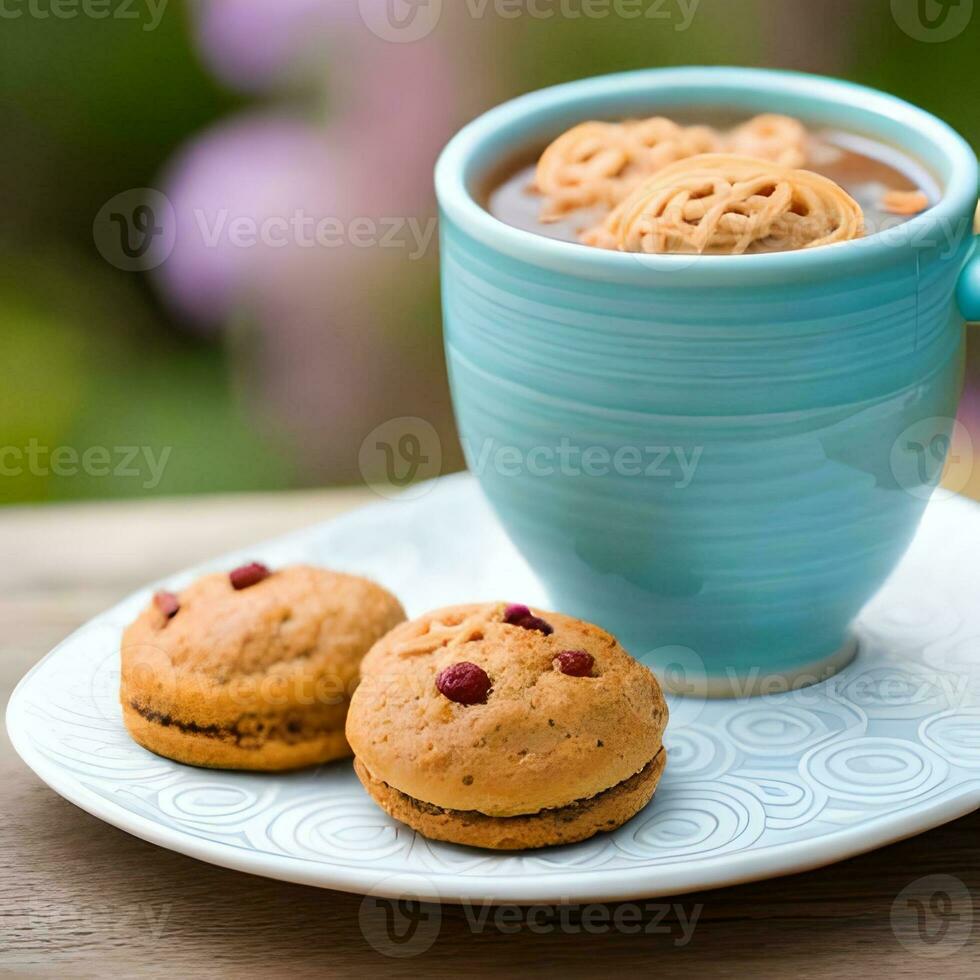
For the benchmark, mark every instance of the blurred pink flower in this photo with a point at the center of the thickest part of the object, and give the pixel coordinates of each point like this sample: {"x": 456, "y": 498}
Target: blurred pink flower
{"x": 969, "y": 413}
{"x": 373, "y": 160}
{"x": 231, "y": 189}
{"x": 255, "y": 44}
{"x": 398, "y": 105}
{"x": 332, "y": 340}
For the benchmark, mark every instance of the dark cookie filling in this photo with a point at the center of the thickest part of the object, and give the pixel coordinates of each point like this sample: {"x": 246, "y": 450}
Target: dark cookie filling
{"x": 562, "y": 814}
{"x": 250, "y": 731}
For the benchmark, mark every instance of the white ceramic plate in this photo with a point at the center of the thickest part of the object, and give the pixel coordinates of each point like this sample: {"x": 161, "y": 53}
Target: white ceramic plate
{"x": 753, "y": 789}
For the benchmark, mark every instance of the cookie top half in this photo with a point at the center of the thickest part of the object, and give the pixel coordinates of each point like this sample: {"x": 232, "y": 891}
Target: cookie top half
{"x": 296, "y": 637}
{"x": 503, "y": 710}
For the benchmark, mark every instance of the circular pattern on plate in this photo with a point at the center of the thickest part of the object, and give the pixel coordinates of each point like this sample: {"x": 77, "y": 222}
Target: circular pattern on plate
{"x": 770, "y": 728}
{"x": 955, "y": 736}
{"x": 338, "y": 825}
{"x": 703, "y": 818}
{"x": 218, "y": 801}
{"x": 895, "y": 691}
{"x": 788, "y": 801}
{"x": 696, "y": 752}
{"x": 875, "y": 771}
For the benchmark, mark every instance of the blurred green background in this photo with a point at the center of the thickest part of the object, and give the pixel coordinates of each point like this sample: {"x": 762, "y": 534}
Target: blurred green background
{"x": 265, "y": 367}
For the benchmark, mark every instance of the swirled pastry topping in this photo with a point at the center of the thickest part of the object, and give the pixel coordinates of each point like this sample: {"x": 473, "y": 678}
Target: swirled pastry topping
{"x": 723, "y": 204}
{"x": 601, "y": 163}
{"x": 584, "y": 166}
{"x": 781, "y": 139}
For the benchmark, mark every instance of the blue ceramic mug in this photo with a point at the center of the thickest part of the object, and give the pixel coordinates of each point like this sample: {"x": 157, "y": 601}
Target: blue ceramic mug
{"x": 713, "y": 457}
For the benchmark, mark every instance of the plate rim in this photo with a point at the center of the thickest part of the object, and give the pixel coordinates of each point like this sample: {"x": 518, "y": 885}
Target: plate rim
{"x": 564, "y": 887}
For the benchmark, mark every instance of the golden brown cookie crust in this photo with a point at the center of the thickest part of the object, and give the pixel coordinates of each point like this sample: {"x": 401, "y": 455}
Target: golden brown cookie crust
{"x": 253, "y": 679}
{"x": 542, "y": 740}
{"x": 566, "y": 825}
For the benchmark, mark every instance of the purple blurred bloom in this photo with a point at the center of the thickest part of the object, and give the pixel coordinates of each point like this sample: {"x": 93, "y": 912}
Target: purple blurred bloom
{"x": 231, "y": 190}
{"x": 254, "y": 44}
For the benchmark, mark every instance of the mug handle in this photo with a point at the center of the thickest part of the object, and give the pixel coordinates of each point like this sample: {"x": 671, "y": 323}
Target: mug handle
{"x": 968, "y": 287}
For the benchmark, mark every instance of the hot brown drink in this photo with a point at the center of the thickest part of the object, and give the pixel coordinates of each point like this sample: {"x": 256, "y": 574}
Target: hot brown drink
{"x": 656, "y": 185}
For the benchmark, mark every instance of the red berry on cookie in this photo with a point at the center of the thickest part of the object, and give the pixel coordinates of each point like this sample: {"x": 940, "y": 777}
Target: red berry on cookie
{"x": 464, "y": 683}
{"x": 575, "y": 663}
{"x": 248, "y": 575}
{"x": 518, "y": 615}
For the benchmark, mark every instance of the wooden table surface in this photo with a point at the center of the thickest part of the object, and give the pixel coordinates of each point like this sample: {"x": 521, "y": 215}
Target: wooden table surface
{"x": 80, "y": 898}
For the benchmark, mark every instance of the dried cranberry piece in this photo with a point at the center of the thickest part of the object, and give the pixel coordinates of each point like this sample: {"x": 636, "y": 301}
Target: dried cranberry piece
{"x": 518, "y": 615}
{"x": 167, "y": 603}
{"x": 575, "y": 663}
{"x": 464, "y": 683}
{"x": 248, "y": 575}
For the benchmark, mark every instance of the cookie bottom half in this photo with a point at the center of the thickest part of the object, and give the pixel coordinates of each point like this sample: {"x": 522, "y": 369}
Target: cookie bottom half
{"x": 215, "y": 748}
{"x": 563, "y": 825}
